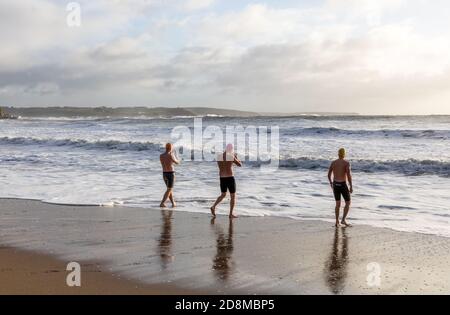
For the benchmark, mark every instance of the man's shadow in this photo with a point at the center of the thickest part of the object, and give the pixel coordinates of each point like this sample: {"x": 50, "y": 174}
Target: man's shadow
{"x": 223, "y": 264}
{"x": 336, "y": 265}
{"x": 165, "y": 239}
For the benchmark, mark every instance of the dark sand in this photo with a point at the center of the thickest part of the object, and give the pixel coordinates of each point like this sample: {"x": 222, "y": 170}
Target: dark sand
{"x": 152, "y": 251}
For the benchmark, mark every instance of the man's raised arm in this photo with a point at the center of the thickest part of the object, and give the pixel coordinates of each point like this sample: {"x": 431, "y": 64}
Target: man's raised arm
{"x": 237, "y": 161}
{"x": 174, "y": 159}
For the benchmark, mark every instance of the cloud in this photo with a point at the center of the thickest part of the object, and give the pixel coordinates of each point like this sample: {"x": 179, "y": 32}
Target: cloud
{"x": 253, "y": 56}
{"x": 192, "y": 5}
{"x": 255, "y": 24}
{"x": 361, "y": 6}
{"x": 369, "y": 10}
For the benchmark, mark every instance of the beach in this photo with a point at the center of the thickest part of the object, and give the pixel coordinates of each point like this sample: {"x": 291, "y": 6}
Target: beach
{"x": 125, "y": 250}
{"x": 318, "y": 132}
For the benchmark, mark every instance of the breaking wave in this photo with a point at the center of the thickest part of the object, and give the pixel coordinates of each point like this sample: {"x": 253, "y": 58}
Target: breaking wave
{"x": 383, "y": 133}
{"x": 409, "y": 167}
{"x": 80, "y": 143}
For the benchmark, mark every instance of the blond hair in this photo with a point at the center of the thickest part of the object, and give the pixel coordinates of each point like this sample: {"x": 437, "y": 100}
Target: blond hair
{"x": 341, "y": 153}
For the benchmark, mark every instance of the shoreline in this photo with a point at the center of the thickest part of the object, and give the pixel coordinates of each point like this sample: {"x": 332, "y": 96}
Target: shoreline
{"x": 300, "y": 219}
{"x": 178, "y": 252}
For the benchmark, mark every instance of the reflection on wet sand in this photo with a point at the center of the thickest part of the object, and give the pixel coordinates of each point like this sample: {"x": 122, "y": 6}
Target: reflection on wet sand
{"x": 336, "y": 266}
{"x": 223, "y": 264}
{"x": 165, "y": 240}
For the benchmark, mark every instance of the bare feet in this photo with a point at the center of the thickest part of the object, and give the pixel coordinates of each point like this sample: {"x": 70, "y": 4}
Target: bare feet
{"x": 174, "y": 205}
{"x": 232, "y": 216}
{"x": 162, "y": 205}
{"x": 337, "y": 224}
{"x": 213, "y": 211}
{"x": 344, "y": 223}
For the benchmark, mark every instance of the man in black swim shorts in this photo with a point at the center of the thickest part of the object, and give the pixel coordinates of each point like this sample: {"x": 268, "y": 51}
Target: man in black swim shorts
{"x": 225, "y": 161}
{"x": 167, "y": 161}
{"x": 341, "y": 171}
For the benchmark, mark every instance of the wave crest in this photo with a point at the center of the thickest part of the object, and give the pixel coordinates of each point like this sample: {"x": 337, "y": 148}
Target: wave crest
{"x": 382, "y": 133}
{"x": 409, "y": 167}
{"x": 81, "y": 143}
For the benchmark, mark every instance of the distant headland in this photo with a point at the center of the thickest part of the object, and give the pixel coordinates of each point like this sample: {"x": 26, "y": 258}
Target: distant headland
{"x": 133, "y": 112}
{"x": 6, "y": 115}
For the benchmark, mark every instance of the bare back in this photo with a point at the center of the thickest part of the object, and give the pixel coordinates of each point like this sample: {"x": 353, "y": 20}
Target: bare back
{"x": 341, "y": 170}
{"x": 226, "y": 165}
{"x": 167, "y": 162}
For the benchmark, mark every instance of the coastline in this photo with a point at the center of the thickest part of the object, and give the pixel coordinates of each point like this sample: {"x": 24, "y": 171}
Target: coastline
{"x": 149, "y": 251}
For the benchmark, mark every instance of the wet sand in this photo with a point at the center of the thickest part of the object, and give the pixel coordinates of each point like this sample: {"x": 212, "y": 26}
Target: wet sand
{"x": 177, "y": 252}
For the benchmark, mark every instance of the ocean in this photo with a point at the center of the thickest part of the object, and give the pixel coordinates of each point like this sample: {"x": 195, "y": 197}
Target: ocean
{"x": 401, "y": 166}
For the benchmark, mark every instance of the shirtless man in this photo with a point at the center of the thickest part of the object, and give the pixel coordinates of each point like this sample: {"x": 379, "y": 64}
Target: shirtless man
{"x": 167, "y": 161}
{"x": 225, "y": 161}
{"x": 340, "y": 169}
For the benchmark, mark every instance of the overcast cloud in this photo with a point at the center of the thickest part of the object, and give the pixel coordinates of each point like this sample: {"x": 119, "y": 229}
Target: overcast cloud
{"x": 366, "y": 56}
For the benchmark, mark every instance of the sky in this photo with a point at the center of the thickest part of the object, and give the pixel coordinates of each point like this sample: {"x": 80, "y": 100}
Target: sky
{"x": 365, "y": 56}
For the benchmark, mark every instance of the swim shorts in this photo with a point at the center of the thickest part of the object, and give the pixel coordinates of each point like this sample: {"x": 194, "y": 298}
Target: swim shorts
{"x": 228, "y": 183}
{"x": 341, "y": 189}
{"x": 169, "y": 179}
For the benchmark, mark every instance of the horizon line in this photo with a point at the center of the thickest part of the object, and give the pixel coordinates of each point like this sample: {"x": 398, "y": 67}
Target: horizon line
{"x": 262, "y": 113}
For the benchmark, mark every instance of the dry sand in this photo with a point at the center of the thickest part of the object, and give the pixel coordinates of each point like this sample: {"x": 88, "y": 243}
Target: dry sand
{"x": 28, "y": 273}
